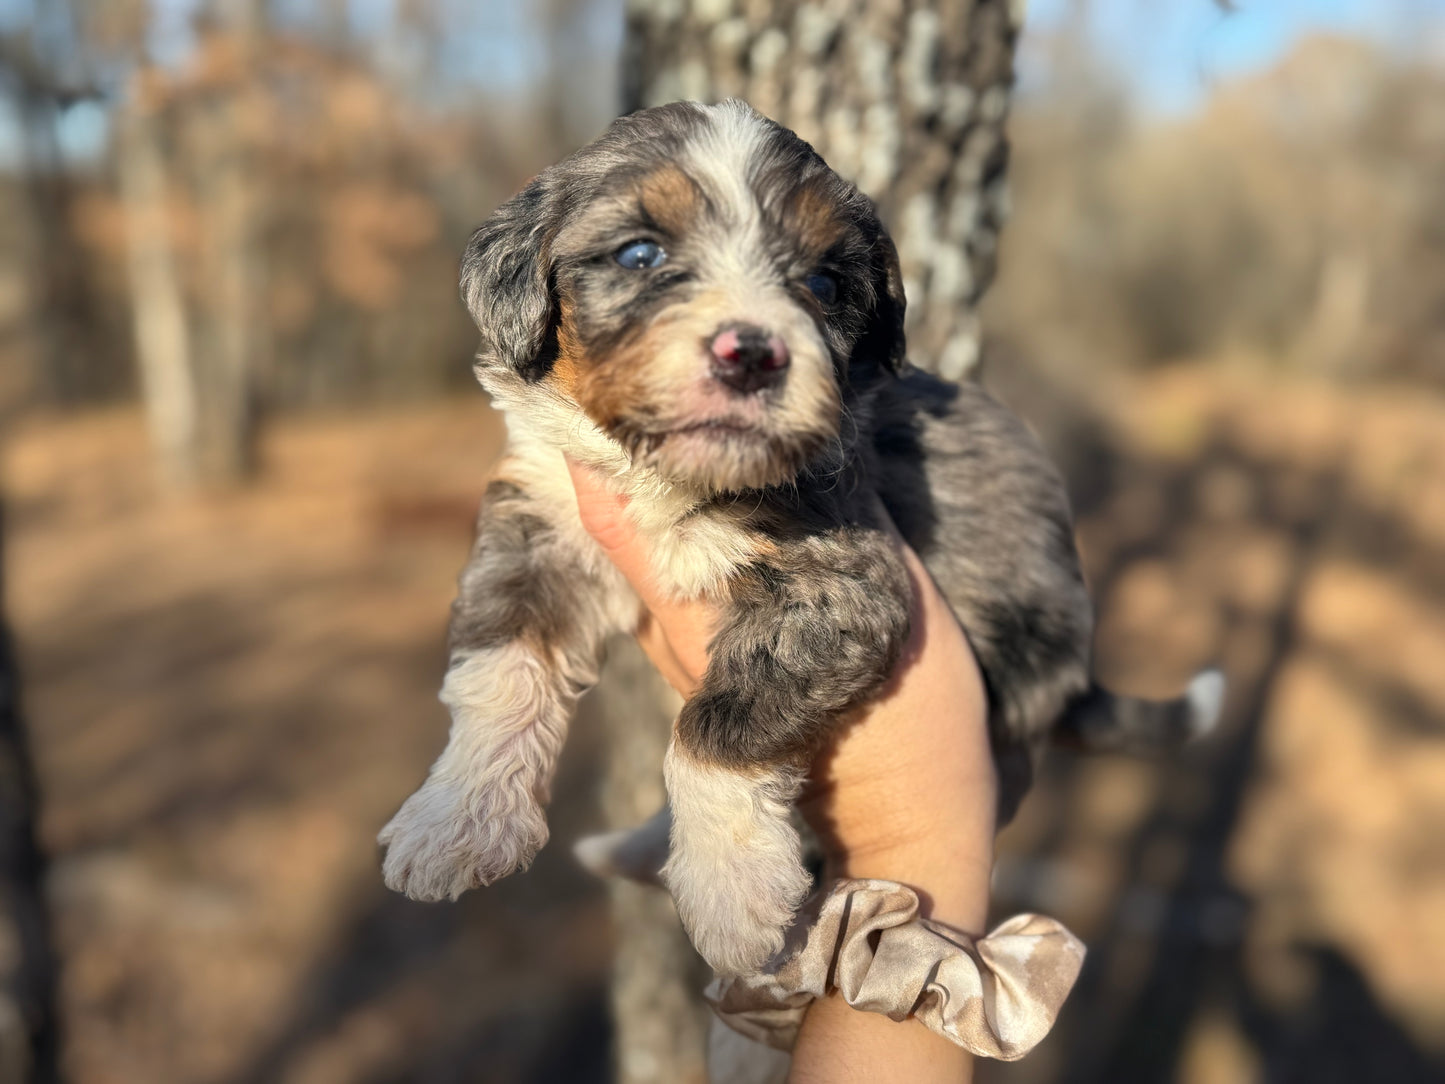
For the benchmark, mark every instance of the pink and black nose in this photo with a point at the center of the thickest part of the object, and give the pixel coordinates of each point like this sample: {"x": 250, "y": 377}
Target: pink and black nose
{"x": 747, "y": 358}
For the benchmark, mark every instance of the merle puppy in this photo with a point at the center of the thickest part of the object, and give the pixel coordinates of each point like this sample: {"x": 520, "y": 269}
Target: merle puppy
{"x": 698, "y": 307}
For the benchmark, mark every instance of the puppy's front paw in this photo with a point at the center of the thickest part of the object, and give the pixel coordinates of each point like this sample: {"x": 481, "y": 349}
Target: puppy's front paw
{"x": 447, "y": 838}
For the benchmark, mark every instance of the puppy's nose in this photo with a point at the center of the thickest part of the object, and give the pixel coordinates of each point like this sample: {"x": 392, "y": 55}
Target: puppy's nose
{"x": 747, "y": 358}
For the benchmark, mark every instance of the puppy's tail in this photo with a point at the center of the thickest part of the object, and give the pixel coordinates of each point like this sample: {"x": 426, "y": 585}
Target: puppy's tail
{"x": 1101, "y": 722}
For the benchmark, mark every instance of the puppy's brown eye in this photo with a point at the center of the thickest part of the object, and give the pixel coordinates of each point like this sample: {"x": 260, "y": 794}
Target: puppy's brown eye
{"x": 640, "y": 255}
{"x": 823, "y": 286}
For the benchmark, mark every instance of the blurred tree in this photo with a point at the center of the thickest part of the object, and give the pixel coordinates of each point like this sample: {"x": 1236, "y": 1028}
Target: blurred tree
{"x": 43, "y": 74}
{"x": 28, "y": 1019}
{"x": 159, "y": 319}
{"x": 192, "y": 143}
{"x": 657, "y": 978}
{"x": 907, "y": 99}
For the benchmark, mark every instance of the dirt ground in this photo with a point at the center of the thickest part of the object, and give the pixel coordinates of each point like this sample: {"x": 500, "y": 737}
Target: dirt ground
{"x": 228, "y": 696}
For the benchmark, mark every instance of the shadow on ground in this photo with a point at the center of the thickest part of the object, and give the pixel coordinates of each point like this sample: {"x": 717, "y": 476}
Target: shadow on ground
{"x": 1260, "y": 908}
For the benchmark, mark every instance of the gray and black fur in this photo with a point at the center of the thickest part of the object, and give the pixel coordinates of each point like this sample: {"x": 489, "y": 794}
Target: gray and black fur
{"x": 767, "y": 493}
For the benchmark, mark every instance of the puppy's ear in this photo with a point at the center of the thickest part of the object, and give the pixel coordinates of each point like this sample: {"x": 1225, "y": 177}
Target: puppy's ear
{"x": 884, "y": 339}
{"x": 506, "y": 284}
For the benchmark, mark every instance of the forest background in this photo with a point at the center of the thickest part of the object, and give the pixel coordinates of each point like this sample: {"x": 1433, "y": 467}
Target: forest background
{"x": 241, "y": 448}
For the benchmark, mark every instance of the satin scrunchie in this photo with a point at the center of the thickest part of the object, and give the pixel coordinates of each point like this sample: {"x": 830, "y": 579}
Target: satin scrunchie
{"x": 996, "y": 996}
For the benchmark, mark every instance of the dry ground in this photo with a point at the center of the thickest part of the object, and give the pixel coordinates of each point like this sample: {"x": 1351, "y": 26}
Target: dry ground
{"x": 228, "y": 696}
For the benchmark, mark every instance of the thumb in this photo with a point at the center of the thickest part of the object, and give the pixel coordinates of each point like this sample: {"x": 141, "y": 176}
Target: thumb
{"x": 604, "y": 517}
{"x": 686, "y": 626}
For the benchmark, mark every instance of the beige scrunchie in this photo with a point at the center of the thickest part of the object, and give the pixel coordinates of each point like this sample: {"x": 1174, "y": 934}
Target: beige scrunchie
{"x": 995, "y": 996}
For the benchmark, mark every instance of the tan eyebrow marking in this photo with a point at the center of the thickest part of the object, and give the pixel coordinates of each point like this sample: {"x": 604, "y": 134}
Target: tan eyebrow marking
{"x": 672, "y": 199}
{"x": 812, "y": 216}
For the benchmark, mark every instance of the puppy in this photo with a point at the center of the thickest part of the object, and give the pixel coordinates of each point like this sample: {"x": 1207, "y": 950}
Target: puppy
{"x": 699, "y": 308}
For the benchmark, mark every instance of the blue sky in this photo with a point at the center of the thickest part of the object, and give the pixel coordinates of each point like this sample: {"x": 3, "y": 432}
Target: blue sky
{"x": 1171, "y": 53}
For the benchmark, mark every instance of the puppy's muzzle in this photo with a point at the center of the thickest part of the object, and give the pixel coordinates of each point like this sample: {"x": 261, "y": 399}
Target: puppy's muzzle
{"x": 747, "y": 359}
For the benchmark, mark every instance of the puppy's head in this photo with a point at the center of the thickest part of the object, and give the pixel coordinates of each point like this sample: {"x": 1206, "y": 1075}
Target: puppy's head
{"x": 701, "y": 285}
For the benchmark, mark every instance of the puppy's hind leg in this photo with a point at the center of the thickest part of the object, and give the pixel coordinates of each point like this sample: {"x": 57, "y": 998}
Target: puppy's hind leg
{"x": 635, "y": 853}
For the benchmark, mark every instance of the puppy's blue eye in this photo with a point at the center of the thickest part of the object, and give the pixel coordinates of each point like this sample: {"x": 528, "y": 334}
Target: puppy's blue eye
{"x": 823, "y": 285}
{"x": 638, "y": 255}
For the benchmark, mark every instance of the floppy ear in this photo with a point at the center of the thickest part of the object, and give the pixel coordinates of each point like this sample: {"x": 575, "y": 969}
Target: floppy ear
{"x": 884, "y": 339}
{"x": 506, "y": 284}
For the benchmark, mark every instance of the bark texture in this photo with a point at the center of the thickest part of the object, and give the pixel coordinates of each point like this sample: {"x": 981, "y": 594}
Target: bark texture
{"x": 907, "y": 98}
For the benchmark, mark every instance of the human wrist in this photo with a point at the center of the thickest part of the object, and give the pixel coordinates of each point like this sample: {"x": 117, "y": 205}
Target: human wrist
{"x": 837, "y": 1044}
{"x": 924, "y": 821}
{"x": 950, "y": 872}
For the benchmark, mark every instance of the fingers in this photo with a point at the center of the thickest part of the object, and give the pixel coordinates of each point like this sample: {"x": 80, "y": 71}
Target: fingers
{"x": 604, "y": 515}
{"x": 675, "y": 634}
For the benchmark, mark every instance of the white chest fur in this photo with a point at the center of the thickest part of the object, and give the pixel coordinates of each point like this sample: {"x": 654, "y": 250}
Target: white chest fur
{"x": 695, "y": 549}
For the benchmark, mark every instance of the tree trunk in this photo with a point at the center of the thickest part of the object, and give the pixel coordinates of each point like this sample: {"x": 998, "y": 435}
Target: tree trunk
{"x": 659, "y": 1018}
{"x": 908, "y": 99}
